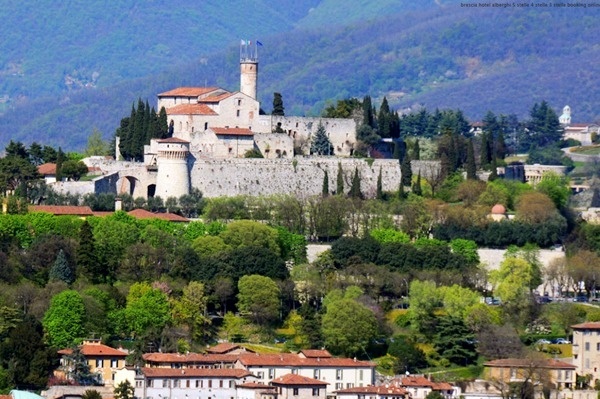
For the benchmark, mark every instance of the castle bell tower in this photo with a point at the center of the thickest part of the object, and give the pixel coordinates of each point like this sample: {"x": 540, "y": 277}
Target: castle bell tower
{"x": 249, "y": 67}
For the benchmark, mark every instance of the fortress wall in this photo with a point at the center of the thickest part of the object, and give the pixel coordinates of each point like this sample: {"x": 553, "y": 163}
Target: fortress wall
{"x": 341, "y": 132}
{"x": 299, "y": 176}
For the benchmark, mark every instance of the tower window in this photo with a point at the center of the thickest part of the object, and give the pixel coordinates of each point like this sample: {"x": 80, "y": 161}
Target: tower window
{"x": 239, "y": 101}
{"x": 238, "y": 113}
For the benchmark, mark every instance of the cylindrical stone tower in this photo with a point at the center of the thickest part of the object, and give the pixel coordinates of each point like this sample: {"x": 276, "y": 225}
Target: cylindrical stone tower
{"x": 248, "y": 68}
{"x": 173, "y": 177}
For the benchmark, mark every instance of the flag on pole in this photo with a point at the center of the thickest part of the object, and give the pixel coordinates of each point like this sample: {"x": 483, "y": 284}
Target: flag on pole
{"x": 243, "y": 42}
{"x": 259, "y": 43}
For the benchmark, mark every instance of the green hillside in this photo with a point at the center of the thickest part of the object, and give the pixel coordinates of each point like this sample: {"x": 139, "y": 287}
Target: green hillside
{"x": 447, "y": 56}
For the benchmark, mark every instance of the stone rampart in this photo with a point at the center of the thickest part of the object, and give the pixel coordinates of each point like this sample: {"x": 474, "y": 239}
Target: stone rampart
{"x": 301, "y": 176}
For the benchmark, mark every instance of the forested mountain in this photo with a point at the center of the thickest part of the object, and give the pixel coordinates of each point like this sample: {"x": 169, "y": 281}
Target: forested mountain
{"x": 88, "y": 66}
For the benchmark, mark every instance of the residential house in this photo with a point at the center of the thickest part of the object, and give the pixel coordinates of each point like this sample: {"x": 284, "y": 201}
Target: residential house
{"x": 189, "y": 360}
{"x": 339, "y": 373}
{"x": 102, "y": 360}
{"x": 586, "y": 349}
{"x": 538, "y": 371}
{"x": 189, "y": 383}
{"x": 228, "y": 348}
{"x": 373, "y": 392}
{"x": 48, "y": 172}
{"x": 254, "y": 390}
{"x": 294, "y": 386}
{"x": 418, "y": 387}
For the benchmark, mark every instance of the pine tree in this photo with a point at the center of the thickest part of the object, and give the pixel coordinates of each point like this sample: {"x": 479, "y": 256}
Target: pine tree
{"x": 416, "y": 188}
{"x": 320, "y": 144}
{"x": 60, "y": 158}
{"x": 61, "y": 270}
{"x": 355, "y": 186}
{"x": 325, "y": 190}
{"x": 278, "y": 108}
{"x": 339, "y": 188}
{"x": 471, "y": 168}
{"x": 379, "y": 186}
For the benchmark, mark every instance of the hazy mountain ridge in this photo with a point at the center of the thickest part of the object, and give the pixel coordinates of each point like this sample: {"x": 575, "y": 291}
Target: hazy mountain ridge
{"x": 439, "y": 56}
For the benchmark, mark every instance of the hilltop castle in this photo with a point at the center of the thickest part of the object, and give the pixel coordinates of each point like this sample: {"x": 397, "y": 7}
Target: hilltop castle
{"x": 212, "y": 129}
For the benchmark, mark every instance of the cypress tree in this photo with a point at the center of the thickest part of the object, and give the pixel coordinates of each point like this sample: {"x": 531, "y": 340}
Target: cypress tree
{"x": 163, "y": 123}
{"x": 325, "y": 190}
{"x": 379, "y": 186}
{"x": 471, "y": 168}
{"x": 87, "y": 262}
{"x": 60, "y": 158}
{"x": 147, "y": 122}
{"x": 406, "y": 171}
{"x": 339, "y": 188}
{"x": 355, "y": 187}
{"x": 416, "y": 155}
{"x": 416, "y": 188}
{"x": 278, "y": 108}
{"x": 485, "y": 156}
{"x": 401, "y": 193}
{"x": 139, "y": 132}
{"x": 384, "y": 119}
{"x": 368, "y": 118}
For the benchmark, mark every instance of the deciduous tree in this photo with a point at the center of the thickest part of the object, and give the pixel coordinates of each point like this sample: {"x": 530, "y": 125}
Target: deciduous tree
{"x": 259, "y": 297}
{"x": 63, "y": 321}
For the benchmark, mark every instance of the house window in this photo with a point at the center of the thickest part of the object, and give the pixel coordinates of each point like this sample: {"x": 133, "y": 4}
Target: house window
{"x": 295, "y": 391}
{"x": 114, "y": 363}
{"x": 220, "y": 383}
{"x": 349, "y": 385}
{"x": 271, "y": 374}
{"x": 513, "y": 373}
{"x": 587, "y": 363}
{"x": 205, "y": 125}
{"x": 317, "y": 374}
{"x": 197, "y": 384}
{"x": 568, "y": 375}
{"x": 587, "y": 346}
{"x": 260, "y": 375}
{"x": 231, "y": 385}
{"x": 99, "y": 363}
{"x": 176, "y": 383}
{"x": 338, "y": 374}
{"x": 165, "y": 384}
{"x": 239, "y": 101}
{"x": 360, "y": 374}
{"x": 294, "y": 371}
{"x": 315, "y": 391}
{"x": 210, "y": 383}
{"x": 150, "y": 383}
{"x": 339, "y": 385}
{"x": 361, "y": 396}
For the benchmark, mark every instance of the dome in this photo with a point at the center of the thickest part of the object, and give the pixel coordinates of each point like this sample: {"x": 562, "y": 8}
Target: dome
{"x": 498, "y": 209}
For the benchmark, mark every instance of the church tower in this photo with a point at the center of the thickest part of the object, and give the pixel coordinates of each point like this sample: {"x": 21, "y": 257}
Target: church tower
{"x": 565, "y": 118}
{"x": 249, "y": 67}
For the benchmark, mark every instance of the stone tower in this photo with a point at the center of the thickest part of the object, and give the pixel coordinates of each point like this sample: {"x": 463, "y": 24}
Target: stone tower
{"x": 173, "y": 176}
{"x": 248, "y": 67}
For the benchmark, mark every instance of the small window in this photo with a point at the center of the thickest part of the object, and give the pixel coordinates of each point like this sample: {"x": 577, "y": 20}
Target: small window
{"x": 349, "y": 385}
{"x": 205, "y": 125}
{"x": 338, "y": 374}
{"x": 587, "y": 346}
{"x": 220, "y": 383}
{"x": 271, "y": 374}
{"x": 294, "y": 371}
{"x": 295, "y": 392}
{"x": 317, "y": 374}
{"x": 231, "y": 384}
{"x": 360, "y": 374}
{"x": 210, "y": 383}
{"x": 239, "y": 101}
{"x": 339, "y": 385}
{"x": 237, "y": 113}
{"x": 315, "y": 392}
{"x": 114, "y": 363}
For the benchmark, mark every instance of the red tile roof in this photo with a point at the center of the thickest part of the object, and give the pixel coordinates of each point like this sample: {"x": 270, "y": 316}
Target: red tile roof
{"x": 315, "y": 353}
{"x": 414, "y": 381}
{"x": 62, "y": 209}
{"x": 232, "y": 131}
{"x": 188, "y": 358}
{"x": 223, "y": 347}
{"x": 540, "y": 363}
{"x": 191, "y": 109}
{"x": 188, "y": 91}
{"x": 592, "y": 325}
{"x": 144, "y": 214}
{"x": 295, "y": 379}
{"x": 172, "y": 140}
{"x": 95, "y": 350}
{"x": 291, "y": 359}
{"x": 381, "y": 390}
{"x": 185, "y": 373}
{"x": 47, "y": 169}
{"x": 215, "y": 98}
